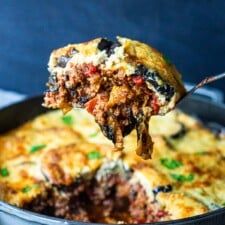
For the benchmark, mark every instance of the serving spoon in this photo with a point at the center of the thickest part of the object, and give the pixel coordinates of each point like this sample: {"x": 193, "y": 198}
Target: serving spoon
{"x": 207, "y": 80}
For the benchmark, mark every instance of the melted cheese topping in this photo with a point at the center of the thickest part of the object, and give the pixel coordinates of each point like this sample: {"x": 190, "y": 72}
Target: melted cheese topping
{"x": 100, "y": 58}
{"x": 53, "y": 149}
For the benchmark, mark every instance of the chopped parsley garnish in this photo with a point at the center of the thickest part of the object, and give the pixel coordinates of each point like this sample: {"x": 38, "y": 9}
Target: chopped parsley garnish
{"x": 182, "y": 178}
{"x": 36, "y": 148}
{"x": 94, "y": 155}
{"x": 4, "y": 172}
{"x": 28, "y": 188}
{"x": 94, "y": 134}
{"x": 68, "y": 120}
{"x": 170, "y": 163}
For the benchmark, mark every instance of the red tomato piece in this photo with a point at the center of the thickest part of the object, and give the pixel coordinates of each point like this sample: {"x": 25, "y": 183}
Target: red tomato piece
{"x": 90, "y": 70}
{"x": 138, "y": 80}
{"x": 155, "y": 104}
{"x": 90, "y": 105}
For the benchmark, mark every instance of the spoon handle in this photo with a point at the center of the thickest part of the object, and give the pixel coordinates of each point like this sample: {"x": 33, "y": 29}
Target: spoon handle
{"x": 207, "y": 80}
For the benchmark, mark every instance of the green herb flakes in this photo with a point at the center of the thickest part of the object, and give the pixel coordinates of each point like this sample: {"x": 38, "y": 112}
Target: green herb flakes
{"x": 182, "y": 178}
{"x": 26, "y": 189}
{"x": 94, "y": 155}
{"x": 4, "y": 172}
{"x": 170, "y": 163}
{"x": 36, "y": 148}
{"x": 93, "y": 134}
{"x": 68, "y": 120}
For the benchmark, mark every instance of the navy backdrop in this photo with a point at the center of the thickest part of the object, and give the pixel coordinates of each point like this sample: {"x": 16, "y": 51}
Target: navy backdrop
{"x": 191, "y": 34}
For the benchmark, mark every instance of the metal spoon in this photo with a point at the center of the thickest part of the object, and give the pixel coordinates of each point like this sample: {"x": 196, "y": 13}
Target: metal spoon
{"x": 207, "y": 80}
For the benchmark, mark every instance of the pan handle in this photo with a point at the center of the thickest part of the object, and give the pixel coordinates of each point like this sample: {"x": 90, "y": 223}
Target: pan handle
{"x": 212, "y": 94}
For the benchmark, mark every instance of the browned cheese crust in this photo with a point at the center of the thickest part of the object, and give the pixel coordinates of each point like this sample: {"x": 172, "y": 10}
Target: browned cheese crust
{"x": 63, "y": 166}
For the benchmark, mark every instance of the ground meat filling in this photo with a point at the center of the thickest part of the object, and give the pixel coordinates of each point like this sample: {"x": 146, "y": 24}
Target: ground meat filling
{"x": 118, "y": 102}
{"x": 109, "y": 200}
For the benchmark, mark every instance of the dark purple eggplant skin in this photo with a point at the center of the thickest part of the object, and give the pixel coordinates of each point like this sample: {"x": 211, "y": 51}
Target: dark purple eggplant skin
{"x": 164, "y": 189}
{"x": 14, "y": 115}
{"x": 151, "y": 77}
{"x": 108, "y": 46}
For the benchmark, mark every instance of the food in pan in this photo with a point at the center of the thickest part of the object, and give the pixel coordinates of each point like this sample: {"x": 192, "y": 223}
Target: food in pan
{"x": 122, "y": 84}
{"x": 63, "y": 166}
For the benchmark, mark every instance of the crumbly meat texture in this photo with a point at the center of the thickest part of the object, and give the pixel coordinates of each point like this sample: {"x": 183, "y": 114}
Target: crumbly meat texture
{"x": 122, "y": 84}
{"x": 108, "y": 200}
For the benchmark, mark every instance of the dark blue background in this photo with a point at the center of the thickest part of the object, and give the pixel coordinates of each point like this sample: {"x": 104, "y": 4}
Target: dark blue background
{"x": 191, "y": 33}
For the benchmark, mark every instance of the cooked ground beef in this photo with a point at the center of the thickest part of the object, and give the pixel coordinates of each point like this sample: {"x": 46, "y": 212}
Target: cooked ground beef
{"x": 118, "y": 102}
{"x": 109, "y": 200}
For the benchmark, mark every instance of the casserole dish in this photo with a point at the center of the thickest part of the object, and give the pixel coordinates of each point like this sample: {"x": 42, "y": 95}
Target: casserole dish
{"x": 205, "y": 110}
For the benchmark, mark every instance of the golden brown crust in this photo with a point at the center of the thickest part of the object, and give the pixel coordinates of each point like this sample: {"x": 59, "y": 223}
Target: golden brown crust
{"x": 150, "y": 57}
{"x": 181, "y": 206}
{"x": 63, "y": 165}
{"x": 197, "y": 180}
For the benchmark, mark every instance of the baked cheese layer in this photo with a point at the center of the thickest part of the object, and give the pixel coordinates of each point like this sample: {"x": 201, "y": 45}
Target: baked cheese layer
{"x": 56, "y": 149}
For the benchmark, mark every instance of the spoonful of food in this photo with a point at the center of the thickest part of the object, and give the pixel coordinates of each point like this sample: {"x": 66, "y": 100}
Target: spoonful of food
{"x": 205, "y": 81}
{"x": 121, "y": 83}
